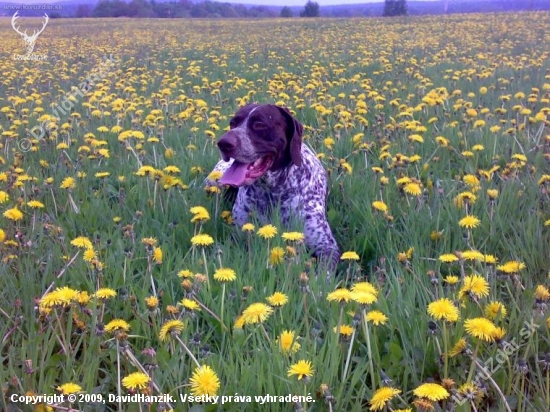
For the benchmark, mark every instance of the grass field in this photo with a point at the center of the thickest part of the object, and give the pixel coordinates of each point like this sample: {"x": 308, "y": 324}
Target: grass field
{"x": 114, "y": 272}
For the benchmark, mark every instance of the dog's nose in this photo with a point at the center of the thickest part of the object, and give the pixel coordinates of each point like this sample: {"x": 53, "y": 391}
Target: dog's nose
{"x": 226, "y": 144}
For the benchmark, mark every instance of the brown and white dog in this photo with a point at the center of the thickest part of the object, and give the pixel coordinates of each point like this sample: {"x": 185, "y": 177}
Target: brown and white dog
{"x": 263, "y": 156}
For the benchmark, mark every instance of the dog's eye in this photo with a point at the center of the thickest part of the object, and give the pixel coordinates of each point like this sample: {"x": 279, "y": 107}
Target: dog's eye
{"x": 232, "y": 124}
{"x": 259, "y": 126}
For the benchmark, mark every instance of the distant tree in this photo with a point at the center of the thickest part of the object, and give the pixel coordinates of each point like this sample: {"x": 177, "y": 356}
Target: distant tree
{"x": 140, "y": 8}
{"x": 310, "y": 10}
{"x": 198, "y": 10}
{"x": 286, "y": 12}
{"x": 83, "y": 10}
{"x": 401, "y": 8}
{"x": 107, "y": 8}
{"x": 395, "y": 8}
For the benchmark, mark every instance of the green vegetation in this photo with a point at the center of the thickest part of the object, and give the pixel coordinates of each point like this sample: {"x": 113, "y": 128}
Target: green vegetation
{"x": 435, "y": 133}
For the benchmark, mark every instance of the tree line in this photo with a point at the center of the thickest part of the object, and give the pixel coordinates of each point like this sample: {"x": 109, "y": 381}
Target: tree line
{"x": 187, "y": 9}
{"x": 207, "y": 9}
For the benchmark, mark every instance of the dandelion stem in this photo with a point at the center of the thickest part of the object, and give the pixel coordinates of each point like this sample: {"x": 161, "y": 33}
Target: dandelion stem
{"x": 348, "y": 358}
{"x": 446, "y": 351}
{"x": 369, "y": 349}
{"x": 249, "y": 251}
{"x": 205, "y": 268}
{"x": 186, "y": 349}
{"x": 548, "y": 386}
{"x": 472, "y": 366}
{"x": 264, "y": 331}
{"x": 488, "y": 376}
{"x": 61, "y": 273}
{"x": 211, "y": 314}
{"x": 63, "y": 342}
{"x": 223, "y": 299}
{"x": 521, "y": 392}
{"x": 119, "y": 385}
{"x": 340, "y": 320}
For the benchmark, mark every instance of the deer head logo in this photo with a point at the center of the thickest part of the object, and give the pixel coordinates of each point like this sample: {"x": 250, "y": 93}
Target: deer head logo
{"x": 29, "y": 40}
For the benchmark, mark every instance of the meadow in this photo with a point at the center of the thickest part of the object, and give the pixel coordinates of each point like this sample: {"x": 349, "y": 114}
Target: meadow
{"x": 120, "y": 274}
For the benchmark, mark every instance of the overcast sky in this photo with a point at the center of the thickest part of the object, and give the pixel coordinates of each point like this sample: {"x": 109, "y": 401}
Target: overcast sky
{"x": 257, "y": 2}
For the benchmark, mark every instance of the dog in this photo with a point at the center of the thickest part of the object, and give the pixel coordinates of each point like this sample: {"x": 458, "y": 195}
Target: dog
{"x": 264, "y": 157}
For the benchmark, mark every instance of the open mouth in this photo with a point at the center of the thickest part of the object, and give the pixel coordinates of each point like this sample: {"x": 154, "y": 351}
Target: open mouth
{"x": 240, "y": 173}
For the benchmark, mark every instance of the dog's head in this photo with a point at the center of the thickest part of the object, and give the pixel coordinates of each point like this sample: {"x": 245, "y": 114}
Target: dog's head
{"x": 261, "y": 138}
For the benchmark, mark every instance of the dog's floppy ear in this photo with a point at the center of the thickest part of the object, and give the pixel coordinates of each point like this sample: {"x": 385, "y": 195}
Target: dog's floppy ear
{"x": 294, "y": 135}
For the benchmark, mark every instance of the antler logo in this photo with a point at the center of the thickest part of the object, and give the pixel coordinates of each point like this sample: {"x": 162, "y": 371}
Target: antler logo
{"x": 29, "y": 40}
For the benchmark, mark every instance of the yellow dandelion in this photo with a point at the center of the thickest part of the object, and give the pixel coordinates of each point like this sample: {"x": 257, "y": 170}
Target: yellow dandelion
{"x": 490, "y": 259}
{"x": 59, "y": 297}
{"x": 157, "y": 255}
{"x": 499, "y": 334}
{"x": 542, "y": 293}
{"x": 105, "y": 293}
{"x": 470, "y": 392}
{"x": 267, "y": 231}
{"x": 448, "y": 258}
{"x": 416, "y": 138}
{"x": 431, "y": 391}
{"x": 345, "y": 330}
{"x": 492, "y": 193}
{"x": 149, "y": 241}
{"x": 68, "y": 183}
{"x": 83, "y": 298}
{"x": 339, "y": 295}
{"x": 376, "y": 317}
{"x": 277, "y": 299}
{"x": 256, "y": 313}
{"x": 382, "y": 396}
{"x": 364, "y": 287}
{"x": 413, "y": 189}
{"x": 511, "y": 267}
{"x": 458, "y": 348}
{"x": 287, "y": 342}
{"x": 82, "y": 242}
{"x": 117, "y": 325}
{"x": 495, "y": 309}
{"x": 443, "y": 309}
{"x": 480, "y": 328}
{"x": 239, "y": 323}
{"x": 89, "y": 255}
{"x": 350, "y": 255}
{"x": 189, "y": 304}
{"x": 248, "y": 227}
{"x": 475, "y": 285}
{"x": 136, "y": 381}
{"x": 362, "y": 297}
{"x": 293, "y": 236}
{"x": 276, "y": 256}
{"x": 472, "y": 255}
{"x": 202, "y": 240}
{"x": 35, "y": 204}
{"x": 4, "y": 197}
{"x": 380, "y": 206}
{"x": 151, "y": 302}
{"x": 185, "y": 273}
{"x": 225, "y": 275}
{"x": 13, "y": 214}
{"x": 169, "y": 328}
{"x": 469, "y": 222}
{"x": 301, "y": 369}
{"x": 69, "y": 388}
{"x": 204, "y": 381}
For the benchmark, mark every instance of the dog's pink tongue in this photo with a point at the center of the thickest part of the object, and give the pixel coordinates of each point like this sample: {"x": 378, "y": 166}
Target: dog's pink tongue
{"x": 235, "y": 175}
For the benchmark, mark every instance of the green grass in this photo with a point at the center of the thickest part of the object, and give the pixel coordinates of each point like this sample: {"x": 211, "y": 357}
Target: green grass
{"x": 320, "y": 69}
